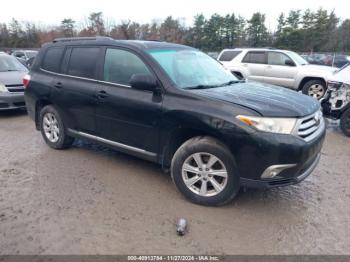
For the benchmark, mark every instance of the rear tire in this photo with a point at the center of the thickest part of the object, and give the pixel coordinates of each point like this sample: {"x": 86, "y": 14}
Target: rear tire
{"x": 204, "y": 171}
{"x": 53, "y": 130}
{"x": 315, "y": 88}
{"x": 345, "y": 122}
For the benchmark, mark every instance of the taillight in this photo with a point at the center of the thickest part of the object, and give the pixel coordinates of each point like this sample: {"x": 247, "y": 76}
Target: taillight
{"x": 26, "y": 80}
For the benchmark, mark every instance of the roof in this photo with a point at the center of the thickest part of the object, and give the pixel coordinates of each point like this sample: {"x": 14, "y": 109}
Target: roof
{"x": 139, "y": 44}
{"x": 255, "y": 49}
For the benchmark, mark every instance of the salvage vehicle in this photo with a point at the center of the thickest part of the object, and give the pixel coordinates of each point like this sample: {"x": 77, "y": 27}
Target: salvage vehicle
{"x": 176, "y": 106}
{"x": 11, "y": 86}
{"x": 336, "y": 103}
{"x": 277, "y": 67}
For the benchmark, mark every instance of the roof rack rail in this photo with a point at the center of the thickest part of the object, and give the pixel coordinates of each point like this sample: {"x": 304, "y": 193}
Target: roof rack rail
{"x": 67, "y": 39}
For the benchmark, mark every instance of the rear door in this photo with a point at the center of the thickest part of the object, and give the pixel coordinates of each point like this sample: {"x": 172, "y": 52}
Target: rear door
{"x": 125, "y": 115}
{"x": 74, "y": 89}
{"x": 278, "y": 72}
{"x": 255, "y": 62}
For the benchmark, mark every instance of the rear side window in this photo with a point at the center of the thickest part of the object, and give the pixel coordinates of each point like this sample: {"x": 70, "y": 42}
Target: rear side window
{"x": 255, "y": 58}
{"x": 82, "y": 62}
{"x": 229, "y": 55}
{"x": 120, "y": 65}
{"x": 52, "y": 59}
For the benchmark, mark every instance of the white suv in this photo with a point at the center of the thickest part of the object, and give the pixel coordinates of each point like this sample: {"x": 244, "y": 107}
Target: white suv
{"x": 278, "y": 67}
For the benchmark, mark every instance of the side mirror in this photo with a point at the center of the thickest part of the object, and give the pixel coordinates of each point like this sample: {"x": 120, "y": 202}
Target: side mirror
{"x": 289, "y": 62}
{"x": 143, "y": 82}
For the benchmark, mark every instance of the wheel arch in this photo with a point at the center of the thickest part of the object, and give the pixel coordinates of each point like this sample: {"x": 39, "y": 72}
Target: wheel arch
{"x": 38, "y": 106}
{"x": 309, "y": 78}
{"x": 179, "y": 136}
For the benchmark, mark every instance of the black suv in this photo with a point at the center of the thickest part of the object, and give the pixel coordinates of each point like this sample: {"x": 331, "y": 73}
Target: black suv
{"x": 174, "y": 105}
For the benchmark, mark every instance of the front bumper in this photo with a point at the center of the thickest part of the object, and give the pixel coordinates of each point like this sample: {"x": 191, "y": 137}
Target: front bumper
{"x": 257, "y": 152}
{"x": 281, "y": 182}
{"x": 9, "y": 101}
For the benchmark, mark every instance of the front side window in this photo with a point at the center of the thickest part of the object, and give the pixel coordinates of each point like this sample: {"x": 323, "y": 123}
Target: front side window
{"x": 297, "y": 58}
{"x": 191, "y": 68}
{"x": 52, "y": 59}
{"x": 82, "y": 62}
{"x": 120, "y": 65}
{"x": 276, "y": 58}
{"x": 255, "y": 58}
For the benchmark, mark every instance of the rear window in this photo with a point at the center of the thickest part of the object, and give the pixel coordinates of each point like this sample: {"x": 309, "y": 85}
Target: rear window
{"x": 52, "y": 59}
{"x": 255, "y": 58}
{"x": 229, "y": 55}
{"x": 82, "y": 62}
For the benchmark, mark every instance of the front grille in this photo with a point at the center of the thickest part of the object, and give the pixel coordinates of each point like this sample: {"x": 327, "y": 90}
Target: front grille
{"x": 308, "y": 126}
{"x": 15, "y": 88}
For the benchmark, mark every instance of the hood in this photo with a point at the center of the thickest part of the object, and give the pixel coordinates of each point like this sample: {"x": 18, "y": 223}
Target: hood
{"x": 318, "y": 69}
{"x": 268, "y": 100}
{"x": 342, "y": 75}
{"x": 12, "y": 78}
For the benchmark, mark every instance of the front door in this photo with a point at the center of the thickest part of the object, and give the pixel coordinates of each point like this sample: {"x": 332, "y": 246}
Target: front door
{"x": 278, "y": 72}
{"x": 125, "y": 115}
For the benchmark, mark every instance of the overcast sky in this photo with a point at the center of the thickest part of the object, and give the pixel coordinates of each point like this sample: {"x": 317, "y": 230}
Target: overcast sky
{"x": 52, "y": 12}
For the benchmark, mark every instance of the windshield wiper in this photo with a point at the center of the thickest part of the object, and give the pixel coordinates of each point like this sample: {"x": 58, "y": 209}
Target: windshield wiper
{"x": 231, "y": 83}
{"x": 200, "y": 87}
{"x": 213, "y": 86}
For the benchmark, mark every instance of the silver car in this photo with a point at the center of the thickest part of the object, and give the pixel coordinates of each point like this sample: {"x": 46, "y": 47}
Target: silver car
{"x": 277, "y": 67}
{"x": 11, "y": 86}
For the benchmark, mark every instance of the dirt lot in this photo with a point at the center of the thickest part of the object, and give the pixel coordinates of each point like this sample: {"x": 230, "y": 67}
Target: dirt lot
{"x": 91, "y": 200}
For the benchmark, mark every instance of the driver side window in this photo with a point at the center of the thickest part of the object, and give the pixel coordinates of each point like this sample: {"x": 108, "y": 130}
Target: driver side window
{"x": 275, "y": 58}
{"x": 120, "y": 65}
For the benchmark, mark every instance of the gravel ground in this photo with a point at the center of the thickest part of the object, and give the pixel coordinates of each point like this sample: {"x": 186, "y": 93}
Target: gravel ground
{"x": 92, "y": 200}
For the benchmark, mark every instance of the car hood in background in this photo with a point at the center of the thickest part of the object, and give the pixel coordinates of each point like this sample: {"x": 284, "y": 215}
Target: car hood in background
{"x": 12, "y": 77}
{"x": 342, "y": 76}
{"x": 318, "y": 69}
{"x": 268, "y": 100}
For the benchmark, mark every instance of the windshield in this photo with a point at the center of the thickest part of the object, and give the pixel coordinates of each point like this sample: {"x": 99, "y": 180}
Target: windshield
{"x": 31, "y": 54}
{"x": 9, "y": 63}
{"x": 297, "y": 58}
{"x": 192, "y": 68}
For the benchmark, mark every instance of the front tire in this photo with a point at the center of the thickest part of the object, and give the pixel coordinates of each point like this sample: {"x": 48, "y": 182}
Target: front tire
{"x": 315, "y": 88}
{"x": 53, "y": 130}
{"x": 204, "y": 171}
{"x": 345, "y": 122}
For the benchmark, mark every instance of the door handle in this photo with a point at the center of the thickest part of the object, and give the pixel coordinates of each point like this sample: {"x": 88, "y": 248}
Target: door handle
{"x": 269, "y": 67}
{"x": 102, "y": 94}
{"x": 58, "y": 85}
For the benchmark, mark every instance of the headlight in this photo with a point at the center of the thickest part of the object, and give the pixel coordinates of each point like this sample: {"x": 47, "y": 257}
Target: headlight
{"x": 3, "y": 88}
{"x": 270, "y": 124}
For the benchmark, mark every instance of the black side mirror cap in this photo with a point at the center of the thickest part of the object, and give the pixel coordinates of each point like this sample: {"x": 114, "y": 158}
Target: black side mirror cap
{"x": 143, "y": 82}
{"x": 289, "y": 62}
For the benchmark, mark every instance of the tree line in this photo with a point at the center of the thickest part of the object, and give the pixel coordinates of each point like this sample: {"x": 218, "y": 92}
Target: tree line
{"x": 303, "y": 31}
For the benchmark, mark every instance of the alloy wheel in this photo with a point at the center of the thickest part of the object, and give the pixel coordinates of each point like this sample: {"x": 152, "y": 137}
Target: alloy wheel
{"x": 51, "y": 128}
{"x": 317, "y": 91}
{"x": 204, "y": 174}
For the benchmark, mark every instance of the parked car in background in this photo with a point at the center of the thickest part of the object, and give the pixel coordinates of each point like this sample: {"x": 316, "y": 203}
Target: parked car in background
{"x": 24, "y": 54}
{"x": 333, "y": 60}
{"x": 341, "y": 60}
{"x": 11, "y": 86}
{"x": 277, "y": 67}
{"x": 336, "y": 103}
{"x": 176, "y": 106}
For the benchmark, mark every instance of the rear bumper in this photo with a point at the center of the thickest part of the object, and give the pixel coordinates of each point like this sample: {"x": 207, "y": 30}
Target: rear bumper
{"x": 9, "y": 101}
{"x": 281, "y": 182}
